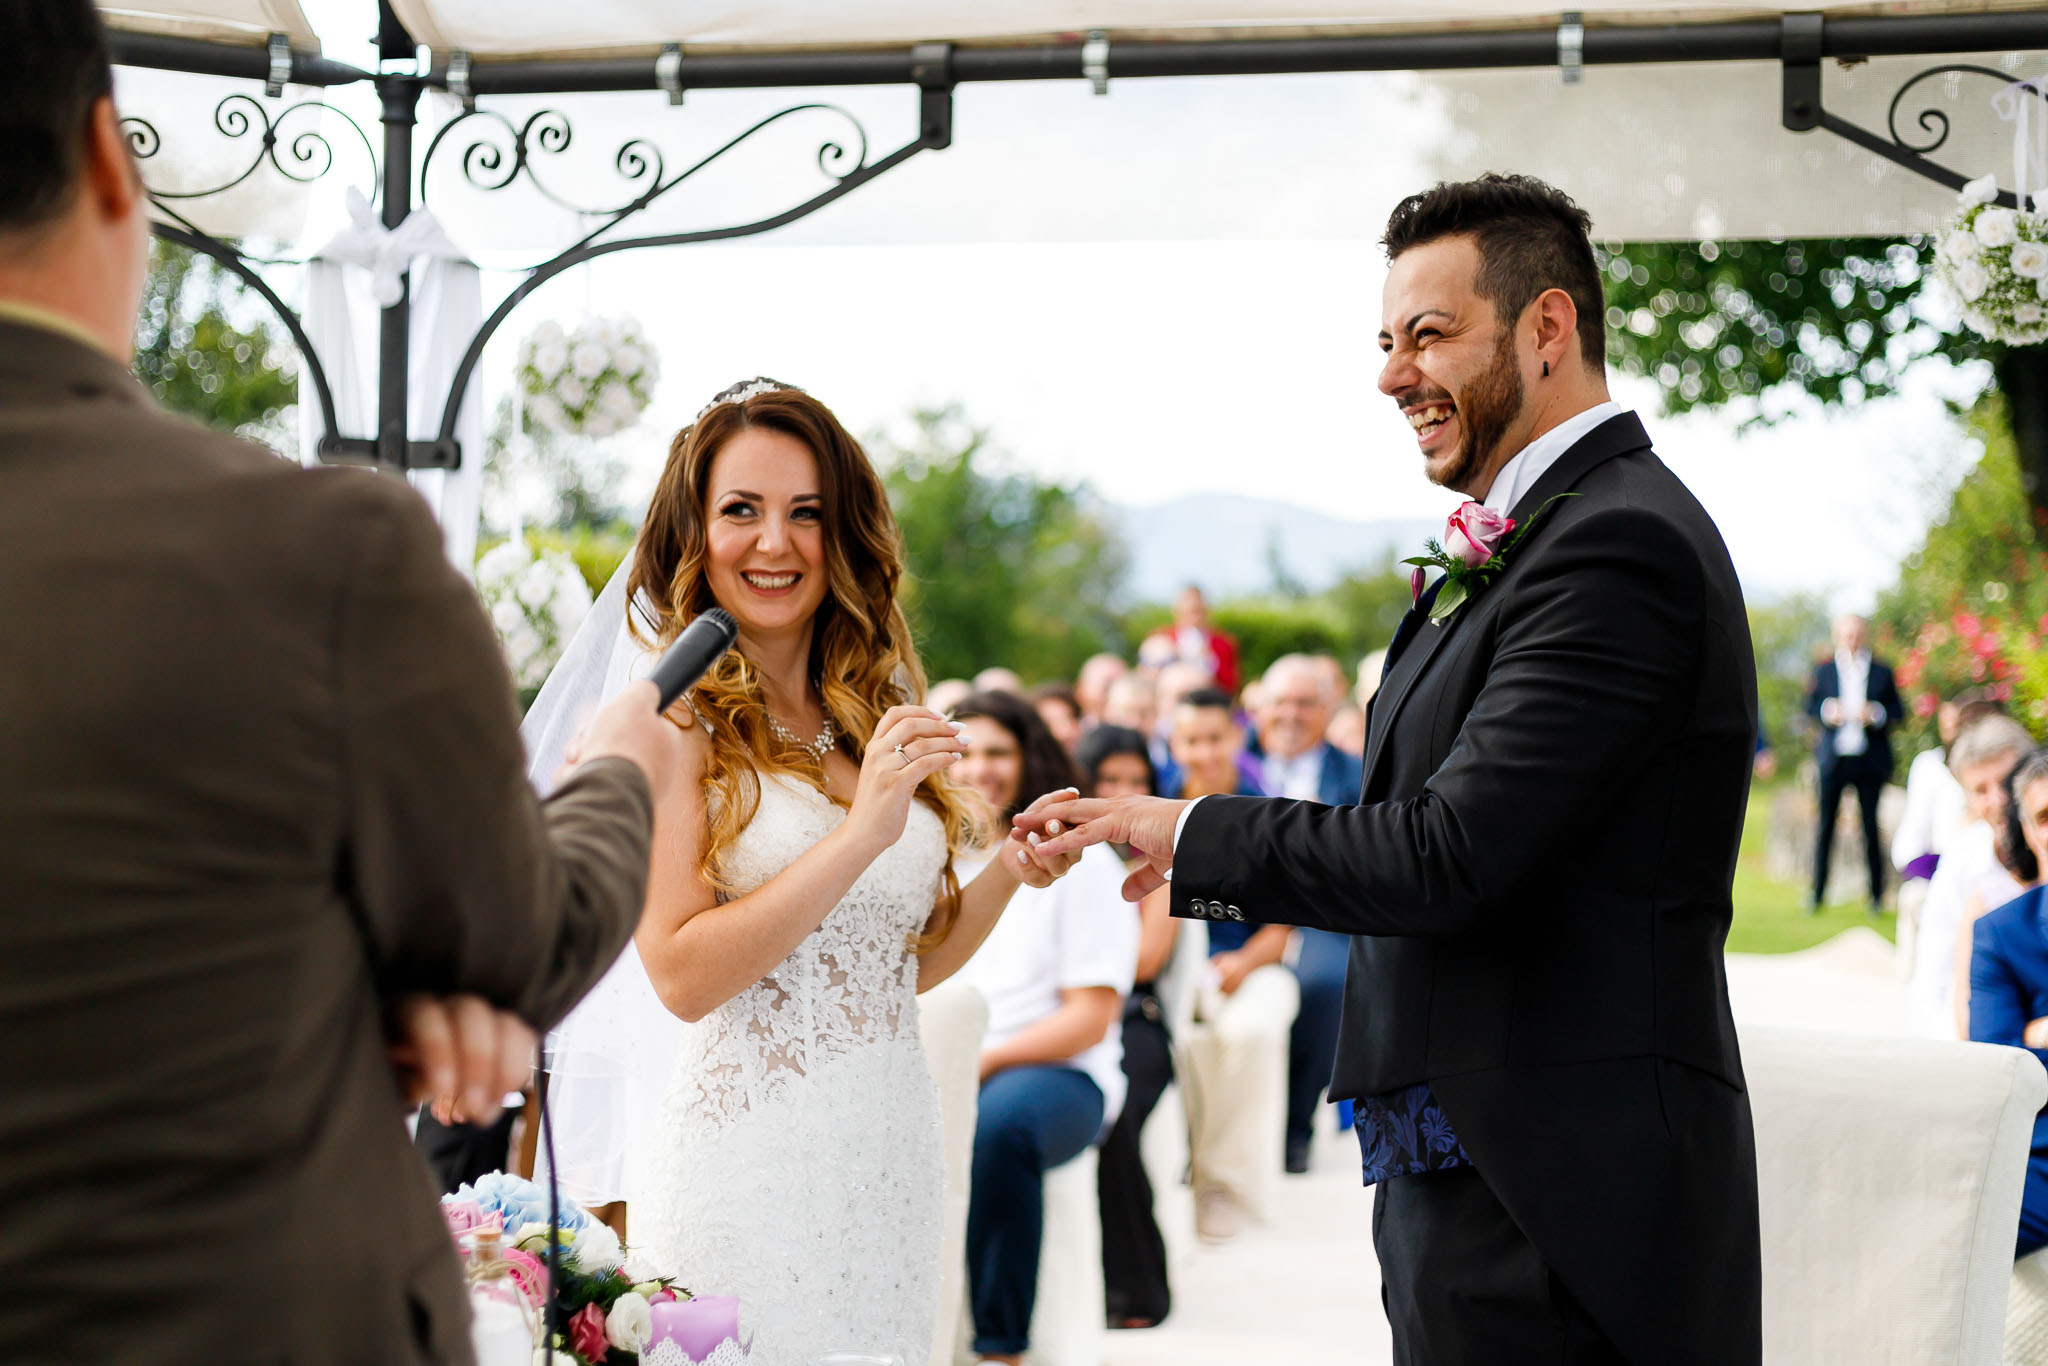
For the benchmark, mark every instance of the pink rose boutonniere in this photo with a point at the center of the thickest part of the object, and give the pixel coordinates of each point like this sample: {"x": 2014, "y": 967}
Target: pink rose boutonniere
{"x": 1474, "y": 548}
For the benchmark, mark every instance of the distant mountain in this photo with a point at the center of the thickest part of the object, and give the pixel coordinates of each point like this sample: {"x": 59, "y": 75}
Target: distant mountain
{"x": 1229, "y": 544}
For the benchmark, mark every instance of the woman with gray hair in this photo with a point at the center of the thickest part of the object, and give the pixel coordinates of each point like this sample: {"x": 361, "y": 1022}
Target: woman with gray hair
{"x": 1982, "y": 757}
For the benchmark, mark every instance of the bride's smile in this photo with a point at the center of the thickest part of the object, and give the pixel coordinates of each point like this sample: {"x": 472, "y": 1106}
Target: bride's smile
{"x": 765, "y": 538}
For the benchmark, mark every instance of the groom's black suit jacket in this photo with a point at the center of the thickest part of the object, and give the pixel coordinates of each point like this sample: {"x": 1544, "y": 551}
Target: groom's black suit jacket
{"x": 1538, "y": 872}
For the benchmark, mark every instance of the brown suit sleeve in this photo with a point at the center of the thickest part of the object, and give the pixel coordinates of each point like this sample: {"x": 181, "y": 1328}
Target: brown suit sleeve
{"x": 464, "y": 880}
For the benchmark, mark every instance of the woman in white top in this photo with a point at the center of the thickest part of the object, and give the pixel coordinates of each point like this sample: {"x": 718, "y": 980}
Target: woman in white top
{"x": 1055, "y": 972}
{"x": 1969, "y": 873}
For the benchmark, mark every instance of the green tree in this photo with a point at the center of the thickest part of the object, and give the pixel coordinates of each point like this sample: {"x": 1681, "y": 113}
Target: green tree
{"x": 1003, "y": 568}
{"x": 202, "y": 350}
{"x": 1715, "y": 323}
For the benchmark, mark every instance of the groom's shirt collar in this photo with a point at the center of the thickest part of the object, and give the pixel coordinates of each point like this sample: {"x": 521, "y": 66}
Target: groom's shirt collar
{"x": 1520, "y": 474}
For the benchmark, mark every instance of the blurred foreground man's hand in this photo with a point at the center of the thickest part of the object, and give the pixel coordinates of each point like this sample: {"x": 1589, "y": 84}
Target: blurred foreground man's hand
{"x": 265, "y": 797}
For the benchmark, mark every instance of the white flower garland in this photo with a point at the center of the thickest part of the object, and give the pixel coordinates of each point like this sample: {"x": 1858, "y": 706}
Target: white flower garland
{"x": 536, "y": 603}
{"x": 1996, "y": 261}
{"x": 594, "y": 380}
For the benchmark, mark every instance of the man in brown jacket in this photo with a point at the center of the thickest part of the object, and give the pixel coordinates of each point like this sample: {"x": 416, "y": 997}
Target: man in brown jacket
{"x": 263, "y": 814}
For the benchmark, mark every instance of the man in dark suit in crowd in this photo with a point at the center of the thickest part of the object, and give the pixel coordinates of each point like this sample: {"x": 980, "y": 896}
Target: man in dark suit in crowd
{"x": 1294, "y": 712}
{"x": 1536, "y": 1025}
{"x": 266, "y": 818}
{"x": 1856, "y": 702}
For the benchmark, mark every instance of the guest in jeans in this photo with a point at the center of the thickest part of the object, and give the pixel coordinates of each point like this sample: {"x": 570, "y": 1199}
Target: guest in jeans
{"x": 2009, "y": 976}
{"x": 1054, "y": 971}
{"x": 1116, "y": 763}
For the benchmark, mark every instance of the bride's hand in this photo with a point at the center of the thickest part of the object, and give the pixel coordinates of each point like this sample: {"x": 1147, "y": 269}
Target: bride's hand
{"x": 910, "y": 744}
{"x": 1033, "y": 866}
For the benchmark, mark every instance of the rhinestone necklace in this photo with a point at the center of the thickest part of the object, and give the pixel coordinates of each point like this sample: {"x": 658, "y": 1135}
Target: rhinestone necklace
{"x": 817, "y": 748}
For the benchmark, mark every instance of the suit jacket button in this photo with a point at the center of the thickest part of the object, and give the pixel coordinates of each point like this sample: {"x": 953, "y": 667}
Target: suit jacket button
{"x": 1236, "y": 914}
{"x": 1196, "y": 909}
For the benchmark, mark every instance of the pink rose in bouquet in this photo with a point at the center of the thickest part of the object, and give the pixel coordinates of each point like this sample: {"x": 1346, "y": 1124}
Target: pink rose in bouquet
{"x": 1474, "y": 533}
{"x": 529, "y": 1273}
{"x": 465, "y": 1216}
{"x": 587, "y": 1334}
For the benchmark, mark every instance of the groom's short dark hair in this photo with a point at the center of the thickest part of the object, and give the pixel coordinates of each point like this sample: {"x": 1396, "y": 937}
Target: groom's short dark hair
{"x": 53, "y": 70}
{"x": 1531, "y": 237}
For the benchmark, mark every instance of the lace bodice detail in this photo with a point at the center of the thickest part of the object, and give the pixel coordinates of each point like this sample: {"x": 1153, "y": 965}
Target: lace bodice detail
{"x": 797, "y": 1161}
{"x": 852, "y": 982}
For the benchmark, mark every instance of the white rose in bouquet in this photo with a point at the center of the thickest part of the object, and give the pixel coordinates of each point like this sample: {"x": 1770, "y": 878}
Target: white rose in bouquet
{"x": 596, "y": 1249}
{"x": 630, "y": 1323}
{"x": 2028, "y": 315}
{"x": 546, "y": 411}
{"x": 601, "y": 425}
{"x": 1997, "y": 227}
{"x": 1972, "y": 280}
{"x": 605, "y": 333}
{"x": 588, "y": 360}
{"x": 617, "y": 401}
{"x": 573, "y": 392}
{"x": 1982, "y": 190}
{"x": 548, "y": 333}
{"x": 2029, "y": 260}
{"x": 1960, "y": 246}
{"x": 629, "y": 360}
{"x": 549, "y": 358}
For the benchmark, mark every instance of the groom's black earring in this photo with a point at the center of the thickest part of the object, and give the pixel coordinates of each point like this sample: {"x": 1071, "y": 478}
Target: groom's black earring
{"x": 1546, "y": 369}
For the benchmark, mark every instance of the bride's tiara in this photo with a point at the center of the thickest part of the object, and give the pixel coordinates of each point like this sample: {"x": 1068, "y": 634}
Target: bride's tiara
{"x": 746, "y": 389}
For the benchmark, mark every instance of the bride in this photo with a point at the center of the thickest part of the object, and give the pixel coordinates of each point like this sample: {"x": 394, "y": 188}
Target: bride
{"x": 802, "y": 891}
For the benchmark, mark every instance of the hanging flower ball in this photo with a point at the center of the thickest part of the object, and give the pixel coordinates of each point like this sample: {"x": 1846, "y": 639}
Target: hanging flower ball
{"x": 594, "y": 380}
{"x": 1995, "y": 261}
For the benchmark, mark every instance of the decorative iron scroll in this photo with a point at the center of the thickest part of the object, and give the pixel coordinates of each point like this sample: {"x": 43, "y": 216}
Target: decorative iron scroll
{"x": 502, "y": 153}
{"x": 303, "y": 156}
{"x": 1916, "y": 127}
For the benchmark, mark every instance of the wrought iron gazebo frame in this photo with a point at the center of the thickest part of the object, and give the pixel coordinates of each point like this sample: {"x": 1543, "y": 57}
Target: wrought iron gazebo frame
{"x": 1800, "y": 42}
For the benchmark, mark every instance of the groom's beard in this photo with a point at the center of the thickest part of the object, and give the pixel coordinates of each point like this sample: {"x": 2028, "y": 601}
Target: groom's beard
{"x": 1487, "y": 408}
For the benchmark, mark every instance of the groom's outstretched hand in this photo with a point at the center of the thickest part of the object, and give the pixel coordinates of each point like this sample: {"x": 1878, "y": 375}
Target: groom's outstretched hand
{"x": 1144, "y": 823}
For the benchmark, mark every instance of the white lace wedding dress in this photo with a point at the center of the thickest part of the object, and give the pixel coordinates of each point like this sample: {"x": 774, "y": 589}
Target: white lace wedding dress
{"x": 797, "y": 1162}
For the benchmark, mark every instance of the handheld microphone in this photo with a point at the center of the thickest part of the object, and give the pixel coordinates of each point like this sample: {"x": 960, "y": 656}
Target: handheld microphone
{"x": 702, "y": 644}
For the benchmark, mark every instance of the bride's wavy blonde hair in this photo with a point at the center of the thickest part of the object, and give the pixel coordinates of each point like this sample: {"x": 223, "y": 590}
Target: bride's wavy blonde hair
{"x": 862, "y": 656}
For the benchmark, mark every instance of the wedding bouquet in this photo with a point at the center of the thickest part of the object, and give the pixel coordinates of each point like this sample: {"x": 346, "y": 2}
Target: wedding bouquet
{"x": 1996, "y": 261}
{"x": 608, "y": 1295}
{"x": 594, "y": 380}
{"x": 536, "y": 603}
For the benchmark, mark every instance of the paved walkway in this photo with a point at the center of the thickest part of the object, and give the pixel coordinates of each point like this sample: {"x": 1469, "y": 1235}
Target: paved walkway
{"x": 1304, "y": 1288}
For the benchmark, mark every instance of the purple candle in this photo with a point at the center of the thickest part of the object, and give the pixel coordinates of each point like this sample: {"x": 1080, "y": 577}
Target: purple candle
{"x": 696, "y": 1326}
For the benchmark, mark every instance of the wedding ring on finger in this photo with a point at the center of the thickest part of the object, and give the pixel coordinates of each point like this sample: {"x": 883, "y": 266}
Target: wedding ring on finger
{"x": 904, "y": 757}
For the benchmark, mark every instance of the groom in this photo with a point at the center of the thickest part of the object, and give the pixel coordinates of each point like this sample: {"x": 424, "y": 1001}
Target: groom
{"x": 1536, "y": 1023}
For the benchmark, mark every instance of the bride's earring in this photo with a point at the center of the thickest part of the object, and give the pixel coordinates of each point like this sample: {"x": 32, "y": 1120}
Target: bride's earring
{"x": 1546, "y": 369}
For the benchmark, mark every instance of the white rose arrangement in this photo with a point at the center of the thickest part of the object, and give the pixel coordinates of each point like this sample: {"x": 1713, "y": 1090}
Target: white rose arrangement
{"x": 536, "y": 603}
{"x": 594, "y": 380}
{"x": 1996, "y": 261}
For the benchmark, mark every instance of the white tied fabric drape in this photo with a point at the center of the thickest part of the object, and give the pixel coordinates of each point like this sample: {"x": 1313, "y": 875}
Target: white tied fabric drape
{"x": 350, "y": 279}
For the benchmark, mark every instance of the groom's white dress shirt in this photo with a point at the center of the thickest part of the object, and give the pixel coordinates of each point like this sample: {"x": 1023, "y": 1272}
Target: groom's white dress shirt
{"x": 1516, "y": 477}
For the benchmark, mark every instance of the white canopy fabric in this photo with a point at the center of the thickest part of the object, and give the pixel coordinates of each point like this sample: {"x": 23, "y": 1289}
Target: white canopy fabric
{"x": 506, "y": 28}
{"x": 544, "y": 27}
{"x": 220, "y": 21}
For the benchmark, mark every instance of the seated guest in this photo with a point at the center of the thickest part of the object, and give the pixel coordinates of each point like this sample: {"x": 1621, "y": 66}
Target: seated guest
{"x": 1114, "y": 763}
{"x": 999, "y": 679}
{"x": 1091, "y": 686}
{"x": 1133, "y": 702}
{"x": 1936, "y": 810}
{"x": 1192, "y": 638}
{"x": 1981, "y": 759}
{"x": 1300, "y": 693}
{"x": 1060, "y": 712}
{"x": 1346, "y": 731}
{"x": 1054, "y": 971}
{"x": 1249, "y": 1007}
{"x": 2009, "y": 979}
{"x": 946, "y": 694}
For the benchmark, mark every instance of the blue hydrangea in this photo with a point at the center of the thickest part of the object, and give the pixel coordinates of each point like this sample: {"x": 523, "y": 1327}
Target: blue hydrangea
{"x": 518, "y": 1201}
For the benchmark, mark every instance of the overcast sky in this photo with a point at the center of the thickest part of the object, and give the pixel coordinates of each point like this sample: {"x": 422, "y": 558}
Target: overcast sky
{"x": 1172, "y": 289}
